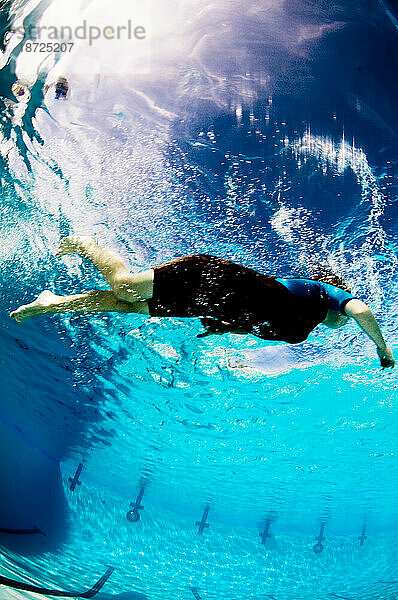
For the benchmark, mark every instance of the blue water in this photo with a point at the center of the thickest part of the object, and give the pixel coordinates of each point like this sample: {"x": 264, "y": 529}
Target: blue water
{"x": 264, "y": 133}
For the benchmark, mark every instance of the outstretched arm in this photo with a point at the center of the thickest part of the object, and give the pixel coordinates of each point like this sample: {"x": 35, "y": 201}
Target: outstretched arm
{"x": 362, "y": 314}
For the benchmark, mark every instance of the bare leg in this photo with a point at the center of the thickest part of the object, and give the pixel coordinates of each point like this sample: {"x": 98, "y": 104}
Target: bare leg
{"x": 130, "y": 287}
{"x": 88, "y": 302}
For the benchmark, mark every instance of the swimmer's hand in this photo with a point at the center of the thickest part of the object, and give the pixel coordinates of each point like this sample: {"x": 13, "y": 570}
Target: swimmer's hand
{"x": 218, "y": 327}
{"x": 386, "y": 357}
{"x": 214, "y": 327}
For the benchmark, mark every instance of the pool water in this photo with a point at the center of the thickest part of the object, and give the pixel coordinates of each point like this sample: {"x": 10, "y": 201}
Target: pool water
{"x": 221, "y": 467}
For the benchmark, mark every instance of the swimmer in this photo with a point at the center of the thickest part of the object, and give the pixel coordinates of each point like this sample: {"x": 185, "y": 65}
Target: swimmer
{"x": 61, "y": 88}
{"x": 228, "y": 297}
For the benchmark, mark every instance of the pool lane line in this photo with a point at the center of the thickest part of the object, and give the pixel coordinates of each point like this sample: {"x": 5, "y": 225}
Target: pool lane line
{"x": 21, "y": 531}
{"x": 19, "y": 585}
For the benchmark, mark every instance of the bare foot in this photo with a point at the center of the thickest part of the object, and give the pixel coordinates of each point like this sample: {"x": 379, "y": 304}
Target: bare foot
{"x": 38, "y": 307}
{"x": 75, "y": 244}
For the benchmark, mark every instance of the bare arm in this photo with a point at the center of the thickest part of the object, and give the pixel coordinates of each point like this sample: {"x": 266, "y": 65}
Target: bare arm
{"x": 362, "y": 314}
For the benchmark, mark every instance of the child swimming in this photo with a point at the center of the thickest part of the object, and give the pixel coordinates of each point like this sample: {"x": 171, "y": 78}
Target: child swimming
{"x": 226, "y": 296}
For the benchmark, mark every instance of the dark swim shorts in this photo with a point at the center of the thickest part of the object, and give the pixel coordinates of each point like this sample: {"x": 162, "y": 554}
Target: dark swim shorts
{"x": 207, "y": 286}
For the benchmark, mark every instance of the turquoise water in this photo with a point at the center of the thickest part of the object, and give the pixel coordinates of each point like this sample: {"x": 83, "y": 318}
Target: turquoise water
{"x": 213, "y": 149}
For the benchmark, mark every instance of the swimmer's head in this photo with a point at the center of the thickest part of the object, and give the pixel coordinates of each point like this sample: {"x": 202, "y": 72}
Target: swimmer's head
{"x": 322, "y": 272}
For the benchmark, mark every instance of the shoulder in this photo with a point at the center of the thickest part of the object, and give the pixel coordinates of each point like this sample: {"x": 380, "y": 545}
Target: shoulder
{"x": 355, "y": 306}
